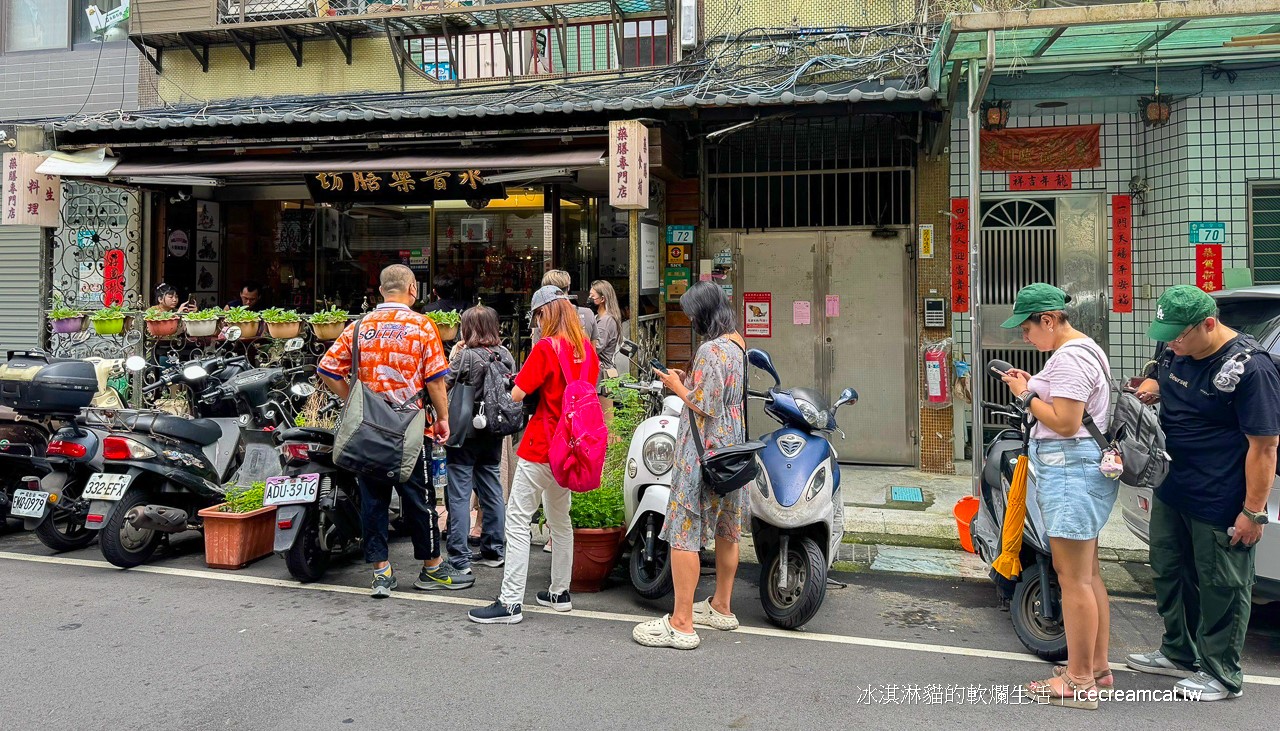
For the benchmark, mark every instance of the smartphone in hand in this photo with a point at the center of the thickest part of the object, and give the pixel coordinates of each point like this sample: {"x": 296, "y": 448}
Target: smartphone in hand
{"x": 657, "y": 365}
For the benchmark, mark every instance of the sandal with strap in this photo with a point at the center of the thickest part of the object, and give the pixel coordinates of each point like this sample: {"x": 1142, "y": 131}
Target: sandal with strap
{"x": 1083, "y": 695}
{"x": 1104, "y": 679}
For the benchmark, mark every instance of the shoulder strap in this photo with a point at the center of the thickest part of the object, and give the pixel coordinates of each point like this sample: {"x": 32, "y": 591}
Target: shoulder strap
{"x": 1089, "y": 424}
{"x": 355, "y": 350}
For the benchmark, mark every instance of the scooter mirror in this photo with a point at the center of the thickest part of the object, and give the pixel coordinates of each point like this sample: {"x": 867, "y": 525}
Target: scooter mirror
{"x": 136, "y": 363}
{"x": 231, "y": 334}
{"x": 293, "y": 345}
{"x": 194, "y": 373}
{"x": 999, "y": 365}
{"x": 760, "y": 359}
{"x": 628, "y": 348}
{"x": 848, "y": 396}
{"x": 302, "y": 390}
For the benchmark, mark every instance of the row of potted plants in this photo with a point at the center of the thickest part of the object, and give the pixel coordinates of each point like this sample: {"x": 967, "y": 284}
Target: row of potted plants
{"x": 281, "y": 323}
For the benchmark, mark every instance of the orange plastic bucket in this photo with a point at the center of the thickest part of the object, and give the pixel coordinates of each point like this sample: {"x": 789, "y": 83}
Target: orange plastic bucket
{"x": 966, "y": 508}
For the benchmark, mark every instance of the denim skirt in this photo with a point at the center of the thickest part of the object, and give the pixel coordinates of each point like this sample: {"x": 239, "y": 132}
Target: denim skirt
{"x": 1075, "y": 499}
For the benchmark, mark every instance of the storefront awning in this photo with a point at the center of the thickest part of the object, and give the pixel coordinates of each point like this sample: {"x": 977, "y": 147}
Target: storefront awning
{"x": 252, "y": 165}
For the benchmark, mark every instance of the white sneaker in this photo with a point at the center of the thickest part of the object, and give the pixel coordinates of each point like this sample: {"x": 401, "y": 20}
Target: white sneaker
{"x": 1156, "y": 663}
{"x": 660, "y": 633}
{"x": 1203, "y": 687}
{"x": 705, "y": 615}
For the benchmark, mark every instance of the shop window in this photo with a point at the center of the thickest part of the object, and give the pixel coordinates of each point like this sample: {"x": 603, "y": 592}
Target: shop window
{"x": 1264, "y": 232}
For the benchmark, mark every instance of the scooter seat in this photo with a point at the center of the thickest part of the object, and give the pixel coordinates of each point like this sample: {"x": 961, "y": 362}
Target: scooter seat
{"x": 203, "y": 432}
{"x": 304, "y": 434}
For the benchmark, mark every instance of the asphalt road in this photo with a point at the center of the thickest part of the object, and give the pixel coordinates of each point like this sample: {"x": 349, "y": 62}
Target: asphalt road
{"x": 177, "y": 646}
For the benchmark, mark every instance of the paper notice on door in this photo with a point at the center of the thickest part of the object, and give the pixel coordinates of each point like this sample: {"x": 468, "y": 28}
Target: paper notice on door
{"x": 833, "y": 305}
{"x": 800, "y": 313}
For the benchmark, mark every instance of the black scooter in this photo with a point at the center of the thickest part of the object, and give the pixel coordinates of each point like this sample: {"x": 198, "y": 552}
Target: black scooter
{"x": 1034, "y": 597}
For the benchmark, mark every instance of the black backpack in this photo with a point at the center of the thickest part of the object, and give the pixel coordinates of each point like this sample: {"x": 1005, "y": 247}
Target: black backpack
{"x": 502, "y": 415}
{"x": 1133, "y": 430}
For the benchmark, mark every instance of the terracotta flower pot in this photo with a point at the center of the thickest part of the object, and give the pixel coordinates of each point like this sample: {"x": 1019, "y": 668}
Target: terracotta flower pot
{"x": 233, "y": 540}
{"x": 328, "y": 331}
{"x": 201, "y": 328}
{"x": 248, "y": 330}
{"x": 114, "y": 326}
{"x": 447, "y": 332}
{"x": 164, "y": 328}
{"x": 284, "y": 330}
{"x": 68, "y": 325}
{"x": 595, "y": 551}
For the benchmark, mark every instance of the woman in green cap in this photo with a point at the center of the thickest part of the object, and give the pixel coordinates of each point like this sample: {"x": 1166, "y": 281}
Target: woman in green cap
{"x": 1074, "y": 497}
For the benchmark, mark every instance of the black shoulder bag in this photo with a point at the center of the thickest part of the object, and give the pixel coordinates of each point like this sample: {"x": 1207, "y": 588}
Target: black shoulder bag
{"x": 728, "y": 468}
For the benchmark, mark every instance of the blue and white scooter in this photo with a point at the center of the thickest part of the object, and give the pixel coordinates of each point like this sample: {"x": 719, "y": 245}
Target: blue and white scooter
{"x": 797, "y": 517}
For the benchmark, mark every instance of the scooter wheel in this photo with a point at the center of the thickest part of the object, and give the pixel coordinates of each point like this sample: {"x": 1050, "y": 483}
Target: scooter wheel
{"x": 306, "y": 560}
{"x": 122, "y": 544}
{"x": 652, "y": 580}
{"x": 1048, "y": 640}
{"x": 790, "y": 606}
{"x": 66, "y": 532}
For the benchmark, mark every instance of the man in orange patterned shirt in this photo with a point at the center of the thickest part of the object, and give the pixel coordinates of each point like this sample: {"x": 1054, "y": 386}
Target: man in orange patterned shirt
{"x": 401, "y": 357}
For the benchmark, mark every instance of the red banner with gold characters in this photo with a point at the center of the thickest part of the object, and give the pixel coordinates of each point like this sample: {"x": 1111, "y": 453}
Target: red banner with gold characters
{"x": 1042, "y": 148}
{"x": 959, "y": 254}
{"x": 1209, "y": 267}
{"x": 1040, "y": 181}
{"x": 1121, "y": 253}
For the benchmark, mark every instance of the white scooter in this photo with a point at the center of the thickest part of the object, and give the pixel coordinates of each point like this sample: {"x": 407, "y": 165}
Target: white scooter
{"x": 647, "y": 487}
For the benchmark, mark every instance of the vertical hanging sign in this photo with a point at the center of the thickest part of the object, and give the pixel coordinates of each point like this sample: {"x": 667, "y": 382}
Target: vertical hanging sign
{"x": 1121, "y": 253}
{"x": 628, "y": 165}
{"x": 30, "y": 198}
{"x": 1209, "y": 267}
{"x": 959, "y": 254}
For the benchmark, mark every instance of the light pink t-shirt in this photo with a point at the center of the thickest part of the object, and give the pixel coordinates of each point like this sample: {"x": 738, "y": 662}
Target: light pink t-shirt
{"x": 1074, "y": 373}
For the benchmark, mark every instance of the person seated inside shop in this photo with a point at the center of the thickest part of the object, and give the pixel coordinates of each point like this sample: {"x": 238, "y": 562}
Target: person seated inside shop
{"x": 446, "y": 297}
{"x": 250, "y": 297}
{"x": 167, "y": 300}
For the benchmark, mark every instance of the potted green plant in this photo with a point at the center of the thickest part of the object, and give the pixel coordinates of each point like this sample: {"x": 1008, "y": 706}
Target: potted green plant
{"x": 446, "y": 322}
{"x": 162, "y": 323}
{"x": 202, "y": 323}
{"x": 597, "y": 516}
{"x": 240, "y": 530}
{"x": 282, "y": 324}
{"x": 328, "y": 324}
{"x": 249, "y": 322}
{"x": 65, "y": 319}
{"x": 109, "y": 320}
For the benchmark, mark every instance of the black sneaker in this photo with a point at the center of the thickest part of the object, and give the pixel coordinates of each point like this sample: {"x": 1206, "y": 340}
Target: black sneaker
{"x": 383, "y": 584}
{"x": 497, "y": 613}
{"x": 561, "y": 602}
{"x": 473, "y": 541}
{"x": 444, "y": 576}
{"x": 493, "y": 561}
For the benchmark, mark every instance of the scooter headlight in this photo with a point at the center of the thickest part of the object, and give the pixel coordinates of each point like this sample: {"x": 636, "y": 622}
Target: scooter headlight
{"x": 659, "y": 454}
{"x": 815, "y": 418}
{"x": 816, "y": 483}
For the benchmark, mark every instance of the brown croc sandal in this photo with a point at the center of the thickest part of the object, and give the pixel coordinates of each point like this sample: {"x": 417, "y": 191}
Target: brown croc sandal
{"x": 1104, "y": 679}
{"x": 1083, "y": 695}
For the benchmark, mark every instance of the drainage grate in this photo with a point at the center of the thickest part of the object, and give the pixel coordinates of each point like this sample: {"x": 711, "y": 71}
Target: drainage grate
{"x": 906, "y": 494}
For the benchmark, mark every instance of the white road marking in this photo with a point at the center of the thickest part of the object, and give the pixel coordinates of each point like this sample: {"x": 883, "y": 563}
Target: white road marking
{"x": 606, "y": 616}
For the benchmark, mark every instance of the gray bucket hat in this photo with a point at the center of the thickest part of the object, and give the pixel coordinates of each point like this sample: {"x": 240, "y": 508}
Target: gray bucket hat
{"x": 545, "y": 296}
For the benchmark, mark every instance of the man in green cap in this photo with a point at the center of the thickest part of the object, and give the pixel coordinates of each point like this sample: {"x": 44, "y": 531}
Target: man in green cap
{"x": 1220, "y": 412}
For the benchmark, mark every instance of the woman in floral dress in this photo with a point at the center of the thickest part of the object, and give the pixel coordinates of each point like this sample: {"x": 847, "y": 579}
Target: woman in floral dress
{"x": 713, "y": 393}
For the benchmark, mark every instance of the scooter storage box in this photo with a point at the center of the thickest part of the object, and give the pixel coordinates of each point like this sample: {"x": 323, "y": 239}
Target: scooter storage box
{"x": 37, "y": 383}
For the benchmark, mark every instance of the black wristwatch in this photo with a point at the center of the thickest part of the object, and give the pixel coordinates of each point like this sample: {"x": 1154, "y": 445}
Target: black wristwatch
{"x": 1025, "y": 399}
{"x": 1259, "y": 518}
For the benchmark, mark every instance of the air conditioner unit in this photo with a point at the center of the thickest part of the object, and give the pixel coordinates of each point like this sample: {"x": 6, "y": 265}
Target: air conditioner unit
{"x": 688, "y": 24}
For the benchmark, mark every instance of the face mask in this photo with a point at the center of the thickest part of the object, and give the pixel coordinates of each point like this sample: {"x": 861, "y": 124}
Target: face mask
{"x": 1228, "y": 377}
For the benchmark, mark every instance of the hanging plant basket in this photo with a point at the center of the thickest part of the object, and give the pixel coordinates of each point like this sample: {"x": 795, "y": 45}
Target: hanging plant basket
{"x": 68, "y": 325}
{"x": 201, "y": 328}
{"x": 284, "y": 330}
{"x": 113, "y": 326}
{"x": 448, "y": 332}
{"x": 248, "y": 330}
{"x": 328, "y": 330}
{"x": 163, "y": 329}
{"x": 234, "y": 540}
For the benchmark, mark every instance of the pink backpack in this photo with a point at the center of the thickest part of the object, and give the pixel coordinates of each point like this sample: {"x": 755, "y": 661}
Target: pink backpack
{"x": 581, "y": 438}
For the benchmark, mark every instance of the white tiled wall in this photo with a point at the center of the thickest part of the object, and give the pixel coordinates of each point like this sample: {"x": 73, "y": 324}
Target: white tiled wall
{"x": 1198, "y": 167}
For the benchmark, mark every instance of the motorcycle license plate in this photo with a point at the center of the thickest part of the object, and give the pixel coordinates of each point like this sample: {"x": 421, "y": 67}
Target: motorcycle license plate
{"x": 28, "y": 503}
{"x": 106, "y": 486}
{"x": 283, "y": 490}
